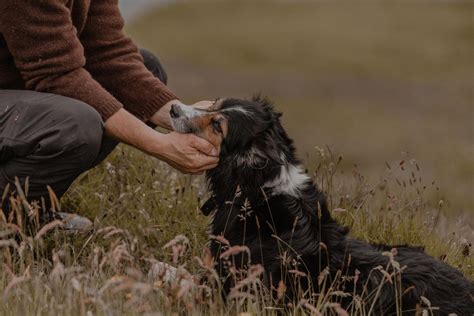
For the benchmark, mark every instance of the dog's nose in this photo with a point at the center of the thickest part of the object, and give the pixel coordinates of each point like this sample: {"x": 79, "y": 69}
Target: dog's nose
{"x": 174, "y": 112}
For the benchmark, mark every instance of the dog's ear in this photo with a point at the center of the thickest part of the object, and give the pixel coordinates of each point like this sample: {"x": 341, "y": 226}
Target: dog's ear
{"x": 268, "y": 106}
{"x": 262, "y": 101}
{"x": 209, "y": 206}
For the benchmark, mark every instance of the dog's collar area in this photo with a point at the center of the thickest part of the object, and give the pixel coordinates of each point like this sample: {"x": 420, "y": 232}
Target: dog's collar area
{"x": 289, "y": 183}
{"x": 211, "y": 204}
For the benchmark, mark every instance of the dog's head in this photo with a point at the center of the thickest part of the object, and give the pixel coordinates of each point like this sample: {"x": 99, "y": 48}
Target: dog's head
{"x": 247, "y": 130}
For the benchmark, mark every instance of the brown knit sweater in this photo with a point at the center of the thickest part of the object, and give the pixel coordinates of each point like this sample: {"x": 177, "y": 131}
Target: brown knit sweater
{"x": 76, "y": 48}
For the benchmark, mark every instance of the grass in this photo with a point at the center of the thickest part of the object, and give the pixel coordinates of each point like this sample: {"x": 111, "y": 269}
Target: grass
{"x": 146, "y": 213}
{"x": 386, "y": 83}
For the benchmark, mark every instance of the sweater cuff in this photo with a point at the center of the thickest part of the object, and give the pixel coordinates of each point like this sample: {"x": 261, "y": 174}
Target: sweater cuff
{"x": 107, "y": 109}
{"x": 155, "y": 103}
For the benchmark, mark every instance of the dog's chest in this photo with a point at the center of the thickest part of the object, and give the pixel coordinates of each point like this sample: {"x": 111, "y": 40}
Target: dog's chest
{"x": 243, "y": 222}
{"x": 234, "y": 218}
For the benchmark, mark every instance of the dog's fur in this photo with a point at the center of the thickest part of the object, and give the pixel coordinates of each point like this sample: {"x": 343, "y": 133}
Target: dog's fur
{"x": 263, "y": 199}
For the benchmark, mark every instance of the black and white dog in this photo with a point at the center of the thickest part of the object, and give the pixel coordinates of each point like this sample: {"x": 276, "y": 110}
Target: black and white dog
{"x": 263, "y": 199}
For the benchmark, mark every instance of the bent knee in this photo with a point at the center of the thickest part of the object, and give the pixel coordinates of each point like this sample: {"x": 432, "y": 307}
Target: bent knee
{"x": 75, "y": 129}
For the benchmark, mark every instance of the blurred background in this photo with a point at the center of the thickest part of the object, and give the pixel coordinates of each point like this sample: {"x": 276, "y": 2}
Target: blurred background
{"x": 378, "y": 81}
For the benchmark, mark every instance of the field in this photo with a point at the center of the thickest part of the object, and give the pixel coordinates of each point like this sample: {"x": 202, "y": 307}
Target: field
{"x": 377, "y": 95}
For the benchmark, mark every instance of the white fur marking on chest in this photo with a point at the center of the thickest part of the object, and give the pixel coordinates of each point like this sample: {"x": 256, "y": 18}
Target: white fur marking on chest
{"x": 291, "y": 181}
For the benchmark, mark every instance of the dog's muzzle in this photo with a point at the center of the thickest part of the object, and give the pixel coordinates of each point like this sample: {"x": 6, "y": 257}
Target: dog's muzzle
{"x": 175, "y": 111}
{"x": 182, "y": 117}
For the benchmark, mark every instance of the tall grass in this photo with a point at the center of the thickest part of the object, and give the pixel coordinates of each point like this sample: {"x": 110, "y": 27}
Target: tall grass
{"x": 147, "y": 252}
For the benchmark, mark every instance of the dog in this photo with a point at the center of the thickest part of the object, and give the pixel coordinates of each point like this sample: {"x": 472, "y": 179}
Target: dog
{"x": 263, "y": 199}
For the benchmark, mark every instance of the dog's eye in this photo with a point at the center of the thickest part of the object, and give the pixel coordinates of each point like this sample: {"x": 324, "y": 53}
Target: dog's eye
{"x": 216, "y": 125}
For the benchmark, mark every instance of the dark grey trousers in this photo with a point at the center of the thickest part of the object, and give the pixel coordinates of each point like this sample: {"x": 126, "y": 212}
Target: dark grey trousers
{"x": 51, "y": 139}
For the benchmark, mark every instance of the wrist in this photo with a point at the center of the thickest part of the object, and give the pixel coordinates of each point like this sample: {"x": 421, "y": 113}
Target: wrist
{"x": 157, "y": 145}
{"x": 162, "y": 116}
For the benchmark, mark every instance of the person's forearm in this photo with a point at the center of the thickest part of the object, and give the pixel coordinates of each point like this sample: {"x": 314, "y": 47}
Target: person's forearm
{"x": 126, "y": 128}
{"x": 185, "y": 152}
{"x": 162, "y": 116}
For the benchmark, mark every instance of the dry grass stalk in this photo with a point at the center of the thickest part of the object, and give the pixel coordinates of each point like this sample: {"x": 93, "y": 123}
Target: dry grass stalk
{"x": 48, "y": 227}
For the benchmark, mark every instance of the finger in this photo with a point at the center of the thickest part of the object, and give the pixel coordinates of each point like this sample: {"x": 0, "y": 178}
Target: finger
{"x": 204, "y": 105}
{"x": 212, "y": 166}
{"x": 204, "y": 167}
{"x": 207, "y": 161}
{"x": 207, "y": 168}
{"x": 203, "y": 163}
{"x": 180, "y": 168}
{"x": 205, "y": 147}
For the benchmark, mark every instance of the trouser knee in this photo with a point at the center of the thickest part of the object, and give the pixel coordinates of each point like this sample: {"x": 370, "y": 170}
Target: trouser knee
{"x": 53, "y": 140}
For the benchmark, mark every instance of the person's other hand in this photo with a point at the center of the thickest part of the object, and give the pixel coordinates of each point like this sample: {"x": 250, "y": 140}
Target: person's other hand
{"x": 188, "y": 153}
{"x": 162, "y": 116}
{"x": 203, "y": 105}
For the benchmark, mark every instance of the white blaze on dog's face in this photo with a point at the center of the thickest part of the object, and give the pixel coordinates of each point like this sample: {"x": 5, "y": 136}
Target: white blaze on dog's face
{"x": 208, "y": 124}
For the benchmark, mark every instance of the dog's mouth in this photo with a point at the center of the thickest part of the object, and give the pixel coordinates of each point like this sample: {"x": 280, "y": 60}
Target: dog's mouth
{"x": 181, "y": 125}
{"x": 181, "y": 118}
{"x": 208, "y": 124}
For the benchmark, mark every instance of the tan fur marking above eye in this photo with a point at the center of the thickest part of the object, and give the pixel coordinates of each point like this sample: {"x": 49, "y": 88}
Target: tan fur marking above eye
{"x": 202, "y": 121}
{"x": 203, "y": 126}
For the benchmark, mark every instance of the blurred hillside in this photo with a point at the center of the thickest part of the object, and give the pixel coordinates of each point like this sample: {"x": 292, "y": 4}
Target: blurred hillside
{"x": 377, "y": 81}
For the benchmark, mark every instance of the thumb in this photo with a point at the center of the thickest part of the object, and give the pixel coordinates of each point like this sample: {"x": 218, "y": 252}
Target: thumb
{"x": 205, "y": 147}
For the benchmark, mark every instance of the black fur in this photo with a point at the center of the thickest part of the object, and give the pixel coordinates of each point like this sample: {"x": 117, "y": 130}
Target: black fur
{"x": 253, "y": 154}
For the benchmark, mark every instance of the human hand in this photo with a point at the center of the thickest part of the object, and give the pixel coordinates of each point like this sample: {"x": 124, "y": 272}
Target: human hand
{"x": 185, "y": 152}
{"x": 203, "y": 105}
{"x": 188, "y": 153}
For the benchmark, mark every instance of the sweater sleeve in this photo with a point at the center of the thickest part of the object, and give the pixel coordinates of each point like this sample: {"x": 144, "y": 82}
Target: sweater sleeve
{"x": 115, "y": 62}
{"x": 46, "y": 50}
